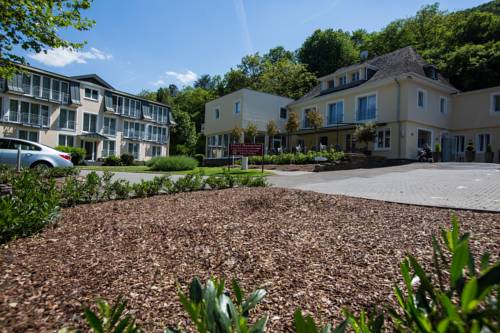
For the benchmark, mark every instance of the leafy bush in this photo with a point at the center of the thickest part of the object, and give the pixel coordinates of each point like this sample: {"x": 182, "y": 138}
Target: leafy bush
{"x": 107, "y": 188}
{"x": 212, "y": 310}
{"x": 298, "y": 158}
{"x": 77, "y": 154}
{"x": 173, "y": 163}
{"x": 147, "y": 187}
{"x": 121, "y": 189}
{"x": 365, "y": 133}
{"x": 127, "y": 159}
{"x": 57, "y": 172}
{"x": 110, "y": 319}
{"x": 249, "y": 181}
{"x": 188, "y": 183}
{"x": 72, "y": 192}
{"x": 217, "y": 182}
{"x": 112, "y": 161}
{"x": 199, "y": 158}
{"x": 91, "y": 187}
{"x": 33, "y": 205}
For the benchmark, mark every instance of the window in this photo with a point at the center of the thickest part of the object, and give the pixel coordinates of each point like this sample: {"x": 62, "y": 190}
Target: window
{"x": 443, "y": 104}
{"x": 335, "y": 113}
{"x": 421, "y": 99}
{"x": 27, "y": 135}
{"x": 383, "y": 139}
{"x": 483, "y": 140}
{"x": 45, "y": 87}
{"x": 109, "y": 126}
{"x": 460, "y": 143}
{"x": 13, "y": 110}
{"x": 36, "y": 81}
{"x": 66, "y": 140}
{"x": 495, "y": 101}
{"x": 56, "y": 90}
{"x": 91, "y": 94}
{"x": 355, "y": 77}
{"x": 155, "y": 151}
{"x": 330, "y": 84}
{"x": 305, "y": 121}
{"x": 108, "y": 148}
{"x": 27, "y": 84}
{"x": 217, "y": 113}
{"x": 283, "y": 112}
{"x": 342, "y": 80}
{"x": 67, "y": 119}
{"x": 89, "y": 122}
{"x": 237, "y": 107}
{"x": 133, "y": 149}
{"x": 367, "y": 108}
{"x": 424, "y": 138}
{"x": 45, "y": 115}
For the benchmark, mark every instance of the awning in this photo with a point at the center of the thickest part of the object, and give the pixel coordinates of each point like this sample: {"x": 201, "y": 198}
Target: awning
{"x": 93, "y": 135}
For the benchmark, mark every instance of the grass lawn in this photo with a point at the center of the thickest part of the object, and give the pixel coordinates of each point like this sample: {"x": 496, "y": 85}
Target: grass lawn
{"x": 207, "y": 171}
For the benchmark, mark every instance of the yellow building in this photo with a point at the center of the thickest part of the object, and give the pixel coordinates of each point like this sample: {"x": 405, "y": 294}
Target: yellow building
{"x": 409, "y": 101}
{"x": 82, "y": 111}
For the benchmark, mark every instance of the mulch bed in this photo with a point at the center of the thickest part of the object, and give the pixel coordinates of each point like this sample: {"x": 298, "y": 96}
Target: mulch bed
{"x": 318, "y": 252}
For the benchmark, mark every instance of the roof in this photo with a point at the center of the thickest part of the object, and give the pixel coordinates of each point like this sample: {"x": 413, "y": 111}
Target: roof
{"x": 94, "y": 78}
{"x": 393, "y": 64}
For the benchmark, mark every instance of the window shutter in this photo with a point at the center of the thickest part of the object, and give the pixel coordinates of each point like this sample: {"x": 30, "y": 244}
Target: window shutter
{"x": 75, "y": 93}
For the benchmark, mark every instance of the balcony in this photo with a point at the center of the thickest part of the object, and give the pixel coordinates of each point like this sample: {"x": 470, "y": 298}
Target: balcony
{"x": 28, "y": 119}
{"x": 133, "y": 135}
{"x": 108, "y": 152}
{"x": 68, "y": 125}
{"x": 109, "y": 130}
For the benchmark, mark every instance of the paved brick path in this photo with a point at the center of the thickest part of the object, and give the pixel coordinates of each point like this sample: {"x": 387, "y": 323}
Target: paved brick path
{"x": 456, "y": 185}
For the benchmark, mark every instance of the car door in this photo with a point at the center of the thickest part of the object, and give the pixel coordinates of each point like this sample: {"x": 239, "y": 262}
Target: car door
{"x": 29, "y": 152}
{"x": 8, "y": 154}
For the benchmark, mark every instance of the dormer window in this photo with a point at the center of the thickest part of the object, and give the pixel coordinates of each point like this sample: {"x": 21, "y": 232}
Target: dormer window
{"x": 330, "y": 84}
{"x": 355, "y": 77}
{"x": 343, "y": 80}
{"x": 431, "y": 72}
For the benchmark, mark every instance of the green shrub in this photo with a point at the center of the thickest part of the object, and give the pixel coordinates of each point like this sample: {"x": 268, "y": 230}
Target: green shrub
{"x": 112, "y": 161}
{"x": 257, "y": 181}
{"x": 298, "y": 158}
{"x": 33, "y": 205}
{"x": 166, "y": 184}
{"x": 77, "y": 154}
{"x": 199, "y": 158}
{"x": 149, "y": 163}
{"x": 188, "y": 183}
{"x": 91, "y": 187}
{"x": 121, "y": 189}
{"x": 107, "y": 185}
{"x": 127, "y": 159}
{"x": 212, "y": 310}
{"x": 173, "y": 163}
{"x": 71, "y": 192}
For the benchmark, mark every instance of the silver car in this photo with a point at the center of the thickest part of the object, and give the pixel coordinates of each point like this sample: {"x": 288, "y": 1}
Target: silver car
{"x": 32, "y": 154}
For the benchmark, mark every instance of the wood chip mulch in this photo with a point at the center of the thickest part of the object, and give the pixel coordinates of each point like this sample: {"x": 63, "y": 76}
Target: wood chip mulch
{"x": 318, "y": 252}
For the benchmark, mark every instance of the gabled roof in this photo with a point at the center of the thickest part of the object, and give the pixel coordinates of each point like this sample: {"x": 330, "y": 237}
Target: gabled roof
{"x": 93, "y": 78}
{"x": 405, "y": 60}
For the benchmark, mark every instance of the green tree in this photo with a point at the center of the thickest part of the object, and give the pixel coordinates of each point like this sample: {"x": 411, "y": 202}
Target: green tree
{"x": 277, "y": 54}
{"x": 35, "y": 26}
{"x": 251, "y": 133}
{"x": 315, "y": 119}
{"x": 183, "y": 137}
{"x": 291, "y": 126}
{"x": 365, "y": 133}
{"x": 272, "y": 130}
{"x": 192, "y": 101}
{"x": 236, "y": 134}
{"x": 286, "y": 78}
{"x": 325, "y": 51}
{"x": 234, "y": 80}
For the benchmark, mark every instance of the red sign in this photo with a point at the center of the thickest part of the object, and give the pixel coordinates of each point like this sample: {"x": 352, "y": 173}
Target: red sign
{"x": 246, "y": 149}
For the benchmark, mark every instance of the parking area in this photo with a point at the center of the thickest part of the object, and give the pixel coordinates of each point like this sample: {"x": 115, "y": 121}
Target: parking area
{"x": 454, "y": 185}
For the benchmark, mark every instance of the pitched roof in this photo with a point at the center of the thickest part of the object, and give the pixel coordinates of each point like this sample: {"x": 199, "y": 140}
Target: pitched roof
{"x": 93, "y": 78}
{"x": 388, "y": 65}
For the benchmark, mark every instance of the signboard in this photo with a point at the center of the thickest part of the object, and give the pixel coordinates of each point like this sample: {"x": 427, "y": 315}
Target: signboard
{"x": 254, "y": 149}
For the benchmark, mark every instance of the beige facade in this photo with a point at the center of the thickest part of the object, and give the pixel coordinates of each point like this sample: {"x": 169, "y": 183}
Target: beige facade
{"x": 409, "y": 101}
{"x": 239, "y": 109}
{"x": 84, "y": 112}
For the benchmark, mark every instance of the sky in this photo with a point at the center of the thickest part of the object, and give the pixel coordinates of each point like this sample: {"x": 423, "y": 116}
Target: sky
{"x": 146, "y": 44}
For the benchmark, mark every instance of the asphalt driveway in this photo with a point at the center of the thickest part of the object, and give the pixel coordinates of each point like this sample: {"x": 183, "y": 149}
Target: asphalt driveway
{"x": 454, "y": 185}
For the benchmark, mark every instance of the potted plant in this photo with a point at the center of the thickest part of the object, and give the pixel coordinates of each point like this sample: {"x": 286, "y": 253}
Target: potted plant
{"x": 436, "y": 154}
{"x": 365, "y": 133}
{"x": 470, "y": 154}
{"x": 488, "y": 155}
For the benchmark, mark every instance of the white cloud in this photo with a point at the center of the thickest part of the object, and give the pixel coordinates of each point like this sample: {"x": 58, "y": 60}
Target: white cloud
{"x": 184, "y": 78}
{"x": 61, "y": 57}
{"x": 158, "y": 83}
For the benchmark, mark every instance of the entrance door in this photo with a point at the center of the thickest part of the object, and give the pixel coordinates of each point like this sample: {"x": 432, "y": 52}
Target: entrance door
{"x": 447, "y": 147}
{"x": 89, "y": 150}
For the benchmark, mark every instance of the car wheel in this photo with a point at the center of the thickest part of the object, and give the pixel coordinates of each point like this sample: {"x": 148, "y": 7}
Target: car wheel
{"x": 41, "y": 166}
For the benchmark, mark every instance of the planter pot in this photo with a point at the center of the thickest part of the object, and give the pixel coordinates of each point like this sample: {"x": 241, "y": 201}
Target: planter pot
{"x": 488, "y": 157}
{"x": 469, "y": 155}
{"x": 436, "y": 157}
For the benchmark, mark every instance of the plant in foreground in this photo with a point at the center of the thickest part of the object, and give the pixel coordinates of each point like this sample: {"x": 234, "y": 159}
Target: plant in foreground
{"x": 212, "y": 310}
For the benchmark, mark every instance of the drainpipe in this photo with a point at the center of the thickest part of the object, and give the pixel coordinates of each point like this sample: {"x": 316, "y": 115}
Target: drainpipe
{"x": 398, "y": 115}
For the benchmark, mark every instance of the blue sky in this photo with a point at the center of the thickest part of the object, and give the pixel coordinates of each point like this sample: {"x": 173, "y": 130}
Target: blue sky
{"x": 138, "y": 44}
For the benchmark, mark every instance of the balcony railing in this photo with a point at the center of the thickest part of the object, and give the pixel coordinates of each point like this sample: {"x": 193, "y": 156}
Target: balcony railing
{"x": 366, "y": 114}
{"x": 34, "y": 120}
{"x": 109, "y": 130}
{"x": 133, "y": 135}
{"x": 106, "y": 153}
{"x": 68, "y": 125}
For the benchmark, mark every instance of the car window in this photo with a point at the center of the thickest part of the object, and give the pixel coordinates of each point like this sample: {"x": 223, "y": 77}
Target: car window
{"x": 4, "y": 144}
{"x": 24, "y": 145}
